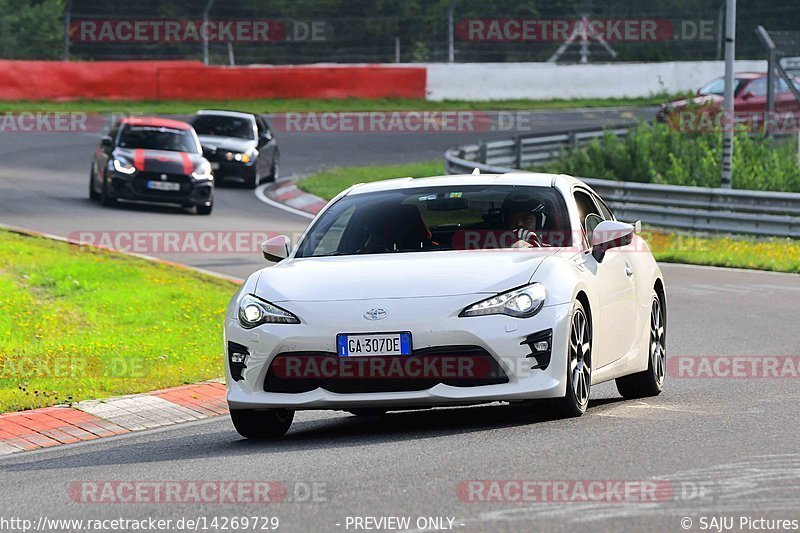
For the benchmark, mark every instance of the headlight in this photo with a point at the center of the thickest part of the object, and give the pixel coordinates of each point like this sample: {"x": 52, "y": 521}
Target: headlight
{"x": 254, "y": 311}
{"x": 123, "y": 167}
{"x": 246, "y": 157}
{"x": 203, "y": 171}
{"x": 521, "y": 303}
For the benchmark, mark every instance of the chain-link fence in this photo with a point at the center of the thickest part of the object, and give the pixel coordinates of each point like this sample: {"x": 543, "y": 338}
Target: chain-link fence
{"x": 351, "y": 31}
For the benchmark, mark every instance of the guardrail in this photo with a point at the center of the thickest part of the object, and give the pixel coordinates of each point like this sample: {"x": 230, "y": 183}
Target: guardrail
{"x": 672, "y": 206}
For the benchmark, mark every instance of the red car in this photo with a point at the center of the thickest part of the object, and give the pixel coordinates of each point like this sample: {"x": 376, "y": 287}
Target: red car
{"x": 750, "y": 97}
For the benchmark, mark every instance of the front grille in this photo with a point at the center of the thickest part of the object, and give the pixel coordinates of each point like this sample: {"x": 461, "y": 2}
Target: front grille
{"x": 459, "y": 366}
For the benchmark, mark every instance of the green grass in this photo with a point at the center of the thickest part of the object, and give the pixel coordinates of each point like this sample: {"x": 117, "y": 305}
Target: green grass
{"x": 780, "y": 255}
{"x": 78, "y": 323}
{"x": 330, "y": 182}
{"x": 169, "y": 107}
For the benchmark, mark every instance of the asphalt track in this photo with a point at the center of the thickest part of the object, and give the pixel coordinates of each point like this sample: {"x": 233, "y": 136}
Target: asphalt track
{"x": 724, "y": 446}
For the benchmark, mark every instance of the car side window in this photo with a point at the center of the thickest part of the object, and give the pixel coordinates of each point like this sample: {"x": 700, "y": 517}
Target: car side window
{"x": 605, "y": 211}
{"x": 758, "y": 87}
{"x": 587, "y": 208}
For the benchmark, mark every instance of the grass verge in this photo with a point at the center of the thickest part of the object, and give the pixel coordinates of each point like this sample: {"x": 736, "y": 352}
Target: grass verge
{"x": 169, "y": 107}
{"x": 328, "y": 183}
{"x": 79, "y": 323}
{"x": 780, "y": 255}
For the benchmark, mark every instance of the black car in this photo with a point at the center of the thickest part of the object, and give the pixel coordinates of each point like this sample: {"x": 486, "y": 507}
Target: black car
{"x": 152, "y": 160}
{"x": 240, "y": 146}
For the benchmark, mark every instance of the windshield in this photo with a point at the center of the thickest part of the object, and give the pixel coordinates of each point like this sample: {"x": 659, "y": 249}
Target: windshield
{"x": 717, "y": 86}
{"x": 159, "y": 138}
{"x": 440, "y": 218}
{"x": 224, "y": 126}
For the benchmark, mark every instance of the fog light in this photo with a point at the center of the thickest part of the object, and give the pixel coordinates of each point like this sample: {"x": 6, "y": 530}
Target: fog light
{"x": 541, "y": 346}
{"x": 237, "y": 356}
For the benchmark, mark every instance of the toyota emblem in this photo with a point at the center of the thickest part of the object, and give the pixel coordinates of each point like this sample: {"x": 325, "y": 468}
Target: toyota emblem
{"x": 375, "y": 314}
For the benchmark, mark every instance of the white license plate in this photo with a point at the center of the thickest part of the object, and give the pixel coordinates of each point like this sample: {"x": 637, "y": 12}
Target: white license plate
{"x": 164, "y": 185}
{"x": 214, "y": 166}
{"x": 373, "y": 344}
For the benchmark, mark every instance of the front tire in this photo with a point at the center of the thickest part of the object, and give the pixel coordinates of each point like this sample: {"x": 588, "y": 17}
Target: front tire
{"x": 275, "y": 169}
{"x": 267, "y": 424}
{"x": 651, "y": 381}
{"x": 93, "y": 194}
{"x": 579, "y": 366}
{"x": 205, "y": 209}
{"x": 105, "y": 198}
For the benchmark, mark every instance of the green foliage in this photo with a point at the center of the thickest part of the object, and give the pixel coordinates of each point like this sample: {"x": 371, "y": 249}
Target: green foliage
{"x": 31, "y": 30}
{"x": 656, "y": 153}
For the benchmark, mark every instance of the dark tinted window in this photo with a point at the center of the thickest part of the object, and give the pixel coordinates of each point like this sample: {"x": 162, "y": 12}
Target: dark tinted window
{"x": 439, "y": 218}
{"x": 224, "y": 126}
{"x": 157, "y": 138}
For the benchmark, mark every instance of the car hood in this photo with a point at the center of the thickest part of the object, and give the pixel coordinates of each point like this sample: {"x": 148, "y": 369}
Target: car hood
{"x": 164, "y": 161}
{"x": 401, "y": 275}
{"x": 227, "y": 144}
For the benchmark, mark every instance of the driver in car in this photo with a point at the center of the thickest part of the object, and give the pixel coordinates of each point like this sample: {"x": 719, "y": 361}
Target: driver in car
{"x": 522, "y": 218}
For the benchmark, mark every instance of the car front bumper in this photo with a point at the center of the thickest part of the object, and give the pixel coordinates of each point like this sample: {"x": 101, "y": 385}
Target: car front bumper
{"x": 503, "y": 337}
{"x": 191, "y": 193}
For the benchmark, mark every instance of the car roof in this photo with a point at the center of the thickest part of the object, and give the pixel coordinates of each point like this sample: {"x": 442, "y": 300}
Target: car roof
{"x": 235, "y": 114}
{"x": 156, "y": 122}
{"x": 750, "y": 75}
{"x": 535, "y": 179}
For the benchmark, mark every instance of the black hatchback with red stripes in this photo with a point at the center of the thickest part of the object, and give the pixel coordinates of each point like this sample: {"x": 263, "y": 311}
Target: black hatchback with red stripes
{"x": 155, "y": 160}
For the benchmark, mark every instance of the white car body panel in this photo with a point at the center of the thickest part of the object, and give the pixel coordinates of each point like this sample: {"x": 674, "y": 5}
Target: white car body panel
{"x": 424, "y": 292}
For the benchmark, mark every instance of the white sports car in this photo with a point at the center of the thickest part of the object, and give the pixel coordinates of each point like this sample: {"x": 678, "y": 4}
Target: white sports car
{"x": 453, "y": 290}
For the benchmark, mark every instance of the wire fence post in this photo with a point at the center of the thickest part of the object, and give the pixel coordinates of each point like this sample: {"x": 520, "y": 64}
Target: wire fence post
{"x": 518, "y": 151}
{"x": 67, "y": 25}
{"x": 205, "y": 30}
{"x": 727, "y": 131}
{"x": 451, "y": 44}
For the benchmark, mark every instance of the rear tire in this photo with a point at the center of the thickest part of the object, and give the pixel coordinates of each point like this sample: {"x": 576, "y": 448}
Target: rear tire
{"x": 267, "y": 424}
{"x": 651, "y": 381}
{"x": 579, "y": 367}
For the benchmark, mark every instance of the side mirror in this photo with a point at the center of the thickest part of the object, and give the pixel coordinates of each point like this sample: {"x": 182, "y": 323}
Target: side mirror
{"x": 208, "y": 150}
{"x": 106, "y": 142}
{"x": 610, "y": 234}
{"x": 276, "y": 248}
{"x": 748, "y": 95}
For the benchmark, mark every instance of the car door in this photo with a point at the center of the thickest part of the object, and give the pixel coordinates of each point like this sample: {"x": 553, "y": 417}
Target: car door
{"x": 785, "y": 102}
{"x": 615, "y": 284}
{"x": 266, "y": 147}
{"x": 752, "y": 98}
